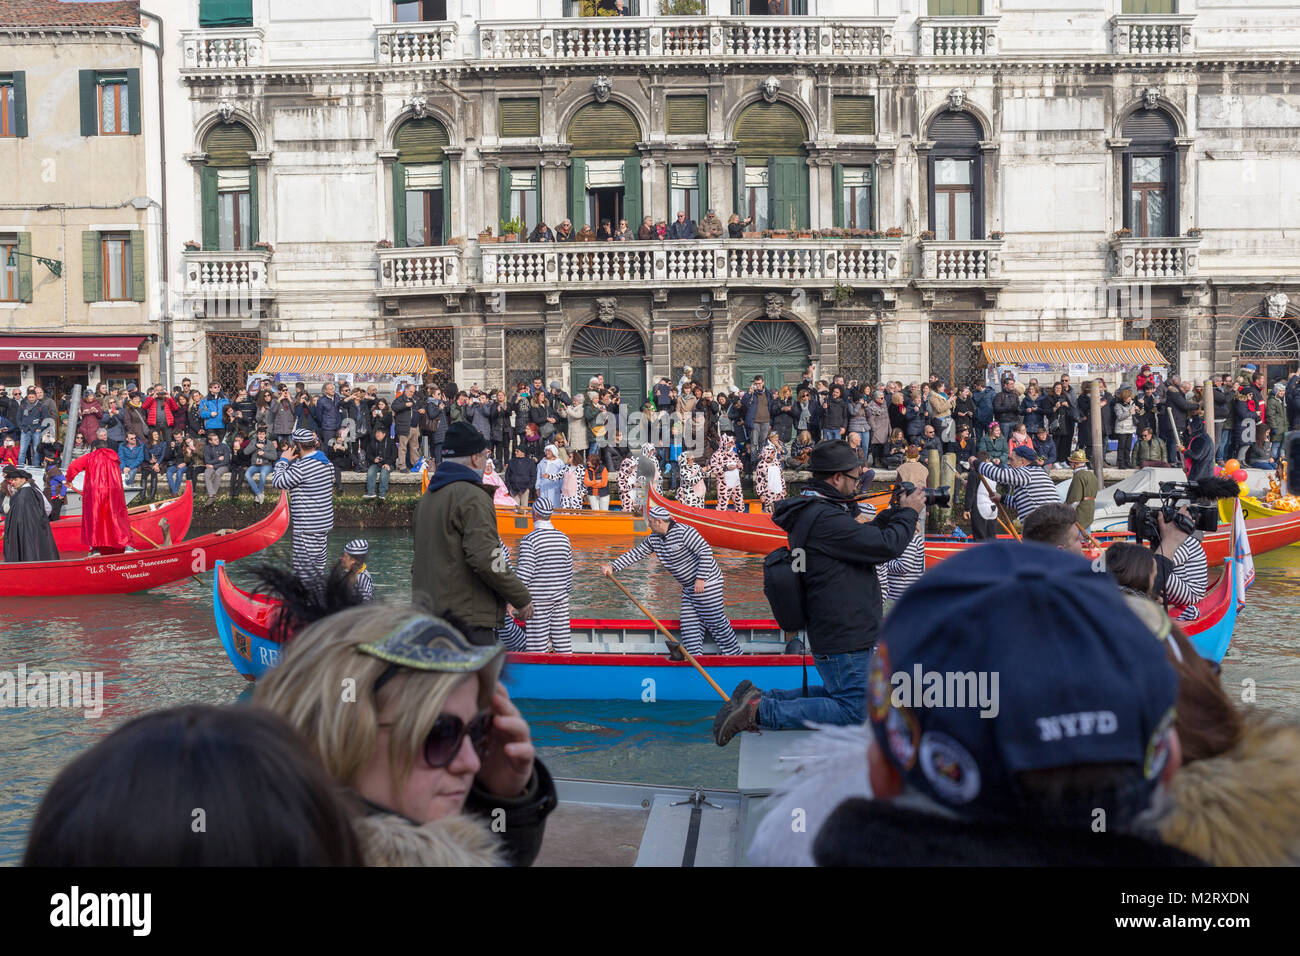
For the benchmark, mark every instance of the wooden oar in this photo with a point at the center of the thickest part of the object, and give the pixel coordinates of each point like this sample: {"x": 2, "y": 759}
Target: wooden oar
{"x": 1004, "y": 518}
{"x": 671, "y": 640}
{"x": 1088, "y": 534}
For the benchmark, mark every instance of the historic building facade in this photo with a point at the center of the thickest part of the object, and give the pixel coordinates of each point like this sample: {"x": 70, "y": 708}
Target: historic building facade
{"x": 924, "y": 177}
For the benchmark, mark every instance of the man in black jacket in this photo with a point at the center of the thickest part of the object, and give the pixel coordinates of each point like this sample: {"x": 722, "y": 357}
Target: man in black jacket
{"x": 1006, "y": 406}
{"x": 406, "y": 431}
{"x": 841, "y": 594}
{"x": 1173, "y": 418}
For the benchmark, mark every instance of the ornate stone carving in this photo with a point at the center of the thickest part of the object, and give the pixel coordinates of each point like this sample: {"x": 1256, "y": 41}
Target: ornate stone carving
{"x": 419, "y": 105}
{"x": 773, "y": 305}
{"x": 770, "y": 88}
{"x": 226, "y": 110}
{"x": 1150, "y": 98}
{"x": 602, "y": 86}
{"x": 1276, "y": 305}
{"x": 606, "y": 305}
{"x": 956, "y": 98}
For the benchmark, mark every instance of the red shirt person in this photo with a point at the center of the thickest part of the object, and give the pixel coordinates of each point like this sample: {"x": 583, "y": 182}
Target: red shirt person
{"x": 104, "y": 523}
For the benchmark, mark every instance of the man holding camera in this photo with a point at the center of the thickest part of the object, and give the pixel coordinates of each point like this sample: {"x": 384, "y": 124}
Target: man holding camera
{"x": 841, "y": 596}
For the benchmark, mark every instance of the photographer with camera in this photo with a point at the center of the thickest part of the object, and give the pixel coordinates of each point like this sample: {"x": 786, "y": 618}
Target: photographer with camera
{"x": 1031, "y": 488}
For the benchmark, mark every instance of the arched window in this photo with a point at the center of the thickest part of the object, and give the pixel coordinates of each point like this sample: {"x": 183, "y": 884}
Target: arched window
{"x": 605, "y": 166}
{"x": 421, "y": 176}
{"x": 771, "y": 167}
{"x": 228, "y": 189}
{"x": 1150, "y": 174}
{"x": 776, "y": 349}
{"x": 956, "y": 174}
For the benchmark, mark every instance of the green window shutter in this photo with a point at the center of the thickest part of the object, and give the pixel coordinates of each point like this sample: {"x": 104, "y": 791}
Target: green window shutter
{"x": 137, "y": 265}
{"x": 421, "y": 141}
{"x": 875, "y": 186}
{"x": 956, "y": 8}
{"x": 519, "y": 118}
{"x": 769, "y": 129}
{"x": 89, "y": 107}
{"x": 837, "y": 189}
{"x": 25, "y": 267}
{"x": 1150, "y": 6}
{"x": 228, "y": 144}
{"x": 703, "y": 180}
{"x": 133, "y": 100}
{"x": 225, "y": 13}
{"x": 92, "y": 288}
{"x": 446, "y": 200}
{"x": 788, "y": 186}
{"x": 603, "y": 129}
{"x": 537, "y": 172}
{"x": 253, "y": 230}
{"x": 632, "y": 193}
{"x": 399, "y": 204}
{"x": 208, "y": 200}
{"x": 577, "y": 193}
{"x": 688, "y": 115}
{"x": 773, "y": 188}
{"x": 854, "y": 115}
{"x": 20, "y": 102}
{"x": 740, "y": 202}
{"x": 503, "y": 203}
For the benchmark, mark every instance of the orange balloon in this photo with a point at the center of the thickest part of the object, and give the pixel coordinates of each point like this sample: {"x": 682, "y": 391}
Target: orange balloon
{"x": 1230, "y": 466}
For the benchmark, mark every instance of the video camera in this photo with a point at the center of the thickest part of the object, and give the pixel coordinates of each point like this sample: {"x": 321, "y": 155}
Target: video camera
{"x": 1203, "y": 517}
{"x": 934, "y": 497}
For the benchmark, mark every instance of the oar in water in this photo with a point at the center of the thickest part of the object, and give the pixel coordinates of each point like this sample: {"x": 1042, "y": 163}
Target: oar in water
{"x": 671, "y": 640}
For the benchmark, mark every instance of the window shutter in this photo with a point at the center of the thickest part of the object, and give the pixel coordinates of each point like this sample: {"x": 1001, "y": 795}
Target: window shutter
{"x": 632, "y": 193}
{"x": 92, "y": 289}
{"x": 537, "y": 178}
{"x": 737, "y": 8}
{"x": 854, "y": 115}
{"x": 703, "y": 180}
{"x": 25, "y": 267}
{"x": 208, "y": 200}
{"x": 1171, "y": 200}
{"x": 89, "y": 108}
{"x": 225, "y": 13}
{"x": 773, "y": 187}
{"x": 687, "y": 116}
{"x": 519, "y": 118}
{"x": 1150, "y": 126}
{"x": 577, "y": 193}
{"x": 253, "y": 229}
{"x": 956, "y": 8}
{"x": 929, "y": 206}
{"x": 769, "y": 129}
{"x": 1128, "y": 194}
{"x": 421, "y": 141}
{"x": 20, "y": 102}
{"x": 137, "y": 265}
{"x": 503, "y": 201}
{"x": 446, "y": 199}
{"x": 798, "y": 8}
{"x": 603, "y": 129}
{"x": 955, "y": 128}
{"x": 977, "y": 199}
{"x": 875, "y": 186}
{"x": 739, "y": 200}
{"x": 228, "y": 144}
{"x": 837, "y": 188}
{"x": 133, "y": 101}
{"x": 399, "y": 204}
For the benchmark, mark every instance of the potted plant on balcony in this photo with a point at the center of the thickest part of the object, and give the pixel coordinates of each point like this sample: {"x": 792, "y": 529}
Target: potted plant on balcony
{"x": 896, "y": 232}
{"x": 264, "y": 246}
{"x": 995, "y": 235}
{"x": 193, "y": 245}
{"x": 1123, "y": 233}
{"x": 1193, "y": 233}
{"x": 511, "y": 228}
{"x": 384, "y": 244}
{"x": 927, "y": 235}
{"x": 834, "y": 232}
{"x": 486, "y": 236}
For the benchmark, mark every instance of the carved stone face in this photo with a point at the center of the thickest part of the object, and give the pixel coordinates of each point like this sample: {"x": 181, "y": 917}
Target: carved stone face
{"x": 770, "y": 87}
{"x": 1150, "y": 97}
{"x": 226, "y": 110}
{"x": 419, "y": 106}
{"x": 956, "y": 99}
{"x": 1276, "y": 304}
{"x": 772, "y": 305}
{"x": 602, "y": 87}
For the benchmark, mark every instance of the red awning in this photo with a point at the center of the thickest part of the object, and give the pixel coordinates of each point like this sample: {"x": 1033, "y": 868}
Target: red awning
{"x": 90, "y": 349}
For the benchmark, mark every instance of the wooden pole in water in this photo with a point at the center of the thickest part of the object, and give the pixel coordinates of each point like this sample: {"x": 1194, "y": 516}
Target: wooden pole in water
{"x": 1098, "y": 442}
{"x": 671, "y": 640}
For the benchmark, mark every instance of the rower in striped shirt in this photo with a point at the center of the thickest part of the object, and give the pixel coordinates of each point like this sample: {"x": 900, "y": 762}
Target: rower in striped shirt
{"x": 1031, "y": 488}
{"x": 1189, "y": 579}
{"x": 906, "y": 569}
{"x": 546, "y": 567}
{"x": 353, "y": 562}
{"x": 305, "y": 472}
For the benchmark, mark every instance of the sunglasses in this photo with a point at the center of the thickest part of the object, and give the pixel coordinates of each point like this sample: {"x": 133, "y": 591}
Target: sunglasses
{"x": 448, "y": 733}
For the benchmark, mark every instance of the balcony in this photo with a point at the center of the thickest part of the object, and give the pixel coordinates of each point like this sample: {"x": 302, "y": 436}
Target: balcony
{"x": 686, "y": 38}
{"x": 229, "y": 48}
{"x": 1170, "y": 260}
{"x": 418, "y": 270}
{"x": 957, "y": 36}
{"x": 237, "y": 281}
{"x": 958, "y": 264}
{"x": 717, "y": 262}
{"x": 1148, "y": 35}
{"x": 402, "y": 43}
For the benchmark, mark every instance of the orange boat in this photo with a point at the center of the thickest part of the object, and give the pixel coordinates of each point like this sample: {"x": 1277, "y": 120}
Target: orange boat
{"x": 605, "y": 523}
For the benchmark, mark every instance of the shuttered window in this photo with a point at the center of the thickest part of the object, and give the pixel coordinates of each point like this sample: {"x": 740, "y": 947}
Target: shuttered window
{"x": 1150, "y": 126}
{"x": 228, "y": 144}
{"x": 421, "y": 141}
{"x": 955, "y": 8}
{"x": 113, "y": 266}
{"x": 956, "y": 128}
{"x": 228, "y": 185}
{"x": 603, "y": 129}
{"x": 1150, "y": 6}
{"x": 13, "y": 103}
{"x": 1151, "y": 174}
{"x": 9, "y": 268}
{"x": 519, "y": 118}
{"x": 688, "y": 116}
{"x": 225, "y": 13}
{"x": 110, "y": 102}
{"x": 769, "y": 129}
{"x": 854, "y": 115}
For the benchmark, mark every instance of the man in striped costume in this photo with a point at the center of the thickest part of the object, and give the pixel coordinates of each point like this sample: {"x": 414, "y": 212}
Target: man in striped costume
{"x": 1187, "y": 583}
{"x": 353, "y": 561}
{"x": 690, "y": 560}
{"x": 308, "y": 476}
{"x": 1031, "y": 488}
{"x": 906, "y": 569}
{"x": 546, "y": 568}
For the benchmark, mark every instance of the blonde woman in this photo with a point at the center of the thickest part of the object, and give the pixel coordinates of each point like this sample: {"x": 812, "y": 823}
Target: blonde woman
{"x": 401, "y": 709}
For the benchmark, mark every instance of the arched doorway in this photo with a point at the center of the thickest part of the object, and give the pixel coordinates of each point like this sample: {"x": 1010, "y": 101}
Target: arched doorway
{"x": 771, "y": 168}
{"x": 776, "y": 349}
{"x": 605, "y": 166}
{"x": 228, "y": 189}
{"x": 1271, "y": 344}
{"x": 421, "y": 179}
{"x": 615, "y": 350}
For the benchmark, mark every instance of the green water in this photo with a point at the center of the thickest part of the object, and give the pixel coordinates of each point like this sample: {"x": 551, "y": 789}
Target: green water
{"x": 159, "y": 648}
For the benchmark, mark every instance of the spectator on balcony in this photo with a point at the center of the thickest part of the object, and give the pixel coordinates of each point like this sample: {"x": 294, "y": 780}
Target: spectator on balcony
{"x": 606, "y": 231}
{"x": 736, "y": 226}
{"x": 585, "y": 234}
{"x": 624, "y": 233}
{"x": 541, "y": 233}
{"x": 647, "y": 230}
{"x": 683, "y": 228}
{"x": 565, "y": 232}
{"x": 661, "y": 230}
{"x": 711, "y": 226}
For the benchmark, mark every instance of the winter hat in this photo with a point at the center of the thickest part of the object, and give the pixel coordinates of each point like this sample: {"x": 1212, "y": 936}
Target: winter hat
{"x": 357, "y": 547}
{"x": 659, "y": 513}
{"x": 542, "y": 509}
{"x": 303, "y": 437}
{"x": 463, "y": 439}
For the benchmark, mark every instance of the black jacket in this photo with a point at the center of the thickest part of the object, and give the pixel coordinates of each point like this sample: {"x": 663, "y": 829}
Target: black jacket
{"x": 1006, "y": 409}
{"x": 382, "y": 447}
{"x": 520, "y": 475}
{"x": 864, "y": 832}
{"x": 1177, "y": 404}
{"x": 841, "y": 589}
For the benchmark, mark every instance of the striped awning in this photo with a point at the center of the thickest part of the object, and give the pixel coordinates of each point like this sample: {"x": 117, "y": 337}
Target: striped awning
{"x": 1131, "y": 352}
{"x": 366, "y": 361}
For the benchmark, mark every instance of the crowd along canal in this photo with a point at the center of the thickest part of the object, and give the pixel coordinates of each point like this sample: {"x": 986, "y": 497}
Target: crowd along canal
{"x": 159, "y": 648}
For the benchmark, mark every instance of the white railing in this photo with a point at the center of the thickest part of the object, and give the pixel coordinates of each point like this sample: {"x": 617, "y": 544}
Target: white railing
{"x": 426, "y": 267}
{"x": 1147, "y": 35}
{"x": 685, "y": 38}
{"x": 957, "y": 36}
{"x": 962, "y": 261}
{"x": 416, "y": 42}
{"x": 734, "y": 261}
{"x": 227, "y": 273}
{"x": 1171, "y": 258}
{"x": 222, "y": 49}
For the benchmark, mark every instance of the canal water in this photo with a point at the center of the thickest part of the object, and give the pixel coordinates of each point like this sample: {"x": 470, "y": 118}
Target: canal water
{"x": 159, "y": 648}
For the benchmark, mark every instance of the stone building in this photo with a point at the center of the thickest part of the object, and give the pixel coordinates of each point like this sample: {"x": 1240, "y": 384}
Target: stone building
{"x": 928, "y": 178}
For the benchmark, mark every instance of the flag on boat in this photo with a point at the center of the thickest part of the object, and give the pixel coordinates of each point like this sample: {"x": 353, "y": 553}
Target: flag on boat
{"x": 1245, "y": 561}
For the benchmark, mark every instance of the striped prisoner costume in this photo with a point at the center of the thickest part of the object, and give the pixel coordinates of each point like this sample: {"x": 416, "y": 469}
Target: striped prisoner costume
{"x": 1030, "y": 486}
{"x": 574, "y": 500}
{"x": 1190, "y": 578}
{"x": 310, "y": 483}
{"x": 882, "y": 575}
{"x": 363, "y": 585}
{"x": 906, "y": 569}
{"x": 546, "y": 567}
{"x": 718, "y": 466}
{"x": 688, "y": 558}
{"x": 691, "y": 475}
{"x": 511, "y": 632}
{"x": 771, "y": 455}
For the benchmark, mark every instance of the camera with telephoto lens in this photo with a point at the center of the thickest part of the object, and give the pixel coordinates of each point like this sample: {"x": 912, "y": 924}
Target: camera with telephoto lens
{"x": 1142, "y": 518}
{"x": 934, "y": 497}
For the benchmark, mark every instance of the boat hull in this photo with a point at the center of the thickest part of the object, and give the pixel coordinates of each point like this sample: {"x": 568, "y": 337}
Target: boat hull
{"x": 647, "y": 677}
{"x": 1211, "y": 632}
{"x": 145, "y": 523}
{"x": 141, "y": 570}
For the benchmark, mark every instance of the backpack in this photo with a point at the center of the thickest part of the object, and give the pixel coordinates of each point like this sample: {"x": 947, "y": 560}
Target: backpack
{"x": 782, "y": 584}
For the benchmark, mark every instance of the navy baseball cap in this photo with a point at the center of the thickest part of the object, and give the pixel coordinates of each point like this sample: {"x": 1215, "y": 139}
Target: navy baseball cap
{"x": 1027, "y": 452}
{"x": 1073, "y": 678}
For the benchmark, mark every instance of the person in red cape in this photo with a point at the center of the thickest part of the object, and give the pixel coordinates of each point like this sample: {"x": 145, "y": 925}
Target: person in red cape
{"x": 105, "y": 526}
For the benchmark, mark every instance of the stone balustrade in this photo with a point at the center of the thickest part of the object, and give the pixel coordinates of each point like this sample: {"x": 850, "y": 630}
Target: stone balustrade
{"x": 235, "y": 273}
{"x": 427, "y": 267}
{"x": 402, "y": 43}
{"x": 1148, "y": 35}
{"x": 957, "y": 36}
{"x": 961, "y": 262}
{"x": 232, "y": 48}
{"x": 1155, "y": 258}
